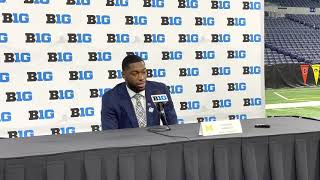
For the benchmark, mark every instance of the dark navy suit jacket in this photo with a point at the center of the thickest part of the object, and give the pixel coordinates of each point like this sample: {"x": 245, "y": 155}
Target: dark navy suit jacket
{"x": 117, "y": 109}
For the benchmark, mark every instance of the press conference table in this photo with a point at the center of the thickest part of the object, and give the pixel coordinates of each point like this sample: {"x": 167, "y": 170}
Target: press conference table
{"x": 289, "y": 150}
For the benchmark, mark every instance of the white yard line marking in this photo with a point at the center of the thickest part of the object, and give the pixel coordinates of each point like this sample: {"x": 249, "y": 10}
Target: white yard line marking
{"x": 306, "y": 98}
{"x": 281, "y": 96}
{"x": 293, "y": 105}
{"x": 297, "y": 89}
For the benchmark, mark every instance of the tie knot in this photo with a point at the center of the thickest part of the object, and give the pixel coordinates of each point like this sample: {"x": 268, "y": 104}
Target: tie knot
{"x": 137, "y": 96}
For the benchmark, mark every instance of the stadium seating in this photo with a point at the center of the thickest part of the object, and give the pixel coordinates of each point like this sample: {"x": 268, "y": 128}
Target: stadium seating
{"x": 312, "y": 21}
{"x": 296, "y": 3}
{"x": 292, "y": 39}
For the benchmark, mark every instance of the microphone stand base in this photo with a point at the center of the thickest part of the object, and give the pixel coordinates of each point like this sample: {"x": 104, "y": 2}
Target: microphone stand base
{"x": 159, "y": 128}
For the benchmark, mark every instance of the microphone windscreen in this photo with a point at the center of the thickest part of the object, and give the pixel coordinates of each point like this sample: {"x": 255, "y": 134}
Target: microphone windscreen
{"x": 159, "y": 98}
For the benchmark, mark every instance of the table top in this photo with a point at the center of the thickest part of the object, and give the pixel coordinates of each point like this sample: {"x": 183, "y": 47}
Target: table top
{"x": 125, "y": 138}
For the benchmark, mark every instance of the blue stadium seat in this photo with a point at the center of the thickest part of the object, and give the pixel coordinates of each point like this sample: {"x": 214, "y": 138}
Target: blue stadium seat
{"x": 292, "y": 39}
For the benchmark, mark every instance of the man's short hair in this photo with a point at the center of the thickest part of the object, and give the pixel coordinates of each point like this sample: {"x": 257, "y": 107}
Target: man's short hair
{"x": 130, "y": 59}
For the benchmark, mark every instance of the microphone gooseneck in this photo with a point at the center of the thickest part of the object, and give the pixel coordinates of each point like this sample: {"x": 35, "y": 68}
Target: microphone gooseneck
{"x": 159, "y": 100}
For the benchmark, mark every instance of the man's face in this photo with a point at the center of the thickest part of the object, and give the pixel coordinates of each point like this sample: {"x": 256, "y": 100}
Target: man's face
{"x": 135, "y": 76}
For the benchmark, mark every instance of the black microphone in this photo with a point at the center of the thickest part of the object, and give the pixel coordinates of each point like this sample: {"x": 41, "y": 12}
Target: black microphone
{"x": 160, "y": 100}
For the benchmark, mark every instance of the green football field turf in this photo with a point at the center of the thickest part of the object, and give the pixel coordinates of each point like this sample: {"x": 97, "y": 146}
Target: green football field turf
{"x": 293, "y": 95}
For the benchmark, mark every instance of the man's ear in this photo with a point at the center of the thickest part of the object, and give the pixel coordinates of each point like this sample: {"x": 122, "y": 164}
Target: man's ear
{"x": 123, "y": 75}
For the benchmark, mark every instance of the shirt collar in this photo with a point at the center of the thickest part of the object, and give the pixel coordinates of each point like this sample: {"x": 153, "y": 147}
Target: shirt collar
{"x": 132, "y": 93}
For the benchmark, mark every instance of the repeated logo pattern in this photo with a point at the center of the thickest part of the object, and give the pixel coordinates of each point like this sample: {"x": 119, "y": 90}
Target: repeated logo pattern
{"x": 59, "y": 57}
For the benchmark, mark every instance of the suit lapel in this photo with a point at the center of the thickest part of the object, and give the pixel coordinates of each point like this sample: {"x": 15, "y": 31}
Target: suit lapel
{"x": 150, "y": 108}
{"x": 128, "y": 107}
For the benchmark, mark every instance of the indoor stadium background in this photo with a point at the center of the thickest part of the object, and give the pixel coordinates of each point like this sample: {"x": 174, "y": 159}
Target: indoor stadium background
{"x": 292, "y": 59}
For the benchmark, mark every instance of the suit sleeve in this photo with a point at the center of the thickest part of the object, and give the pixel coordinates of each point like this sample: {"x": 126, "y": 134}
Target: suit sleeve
{"x": 169, "y": 109}
{"x": 109, "y": 118}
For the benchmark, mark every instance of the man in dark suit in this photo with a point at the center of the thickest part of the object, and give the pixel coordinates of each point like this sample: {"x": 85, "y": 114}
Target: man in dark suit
{"x": 129, "y": 104}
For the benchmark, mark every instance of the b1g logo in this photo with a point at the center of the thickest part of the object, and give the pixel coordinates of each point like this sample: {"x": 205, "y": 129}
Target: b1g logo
{"x": 223, "y": 71}
{"x": 63, "y": 130}
{"x": 100, "y": 56}
{"x": 251, "y": 38}
{"x": 156, "y": 73}
{"x": 58, "y": 19}
{"x": 172, "y": 55}
{"x": 188, "y": 38}
{"x": 142, "y": 54}
{"x": 238, "y": 117}
{"x": 98, "y": 19}
{"x": 39, "y": 76}
{"x": 238, "y": 21}
{"x": 80, "y": 75}
{"x": 252, "y": 102}
{"x": 154, "y": 38}
{"x": 175, "y": 89}
{"x": 248, "y": 5}
{"x": 5, "y": 117}
{"x": 79, "y": 38}
{"x": 184, "y": 72}
{"x": 21, "y": 133}
{"x": 222, "y": 103}
{"x": 190, "y": 105}
{"x": 17, "y": 57}
{"x": 3, "y": 37}
{"x": 41, "y": 114}
{"x": 136, "y": 20}
{"x": 153, "y": 3}
{"x": 117, "y": 3}
{"x": 95, "y": 128}
{"x": 205, "y": 55}
{"x": 220, "y": 5}
{"x": 38, "y": 37}
{"x": 95, "y": 93}
{"x": 118, "y": 38}
{"x": 19, "y": 96}
{"x": 204, "y": 21}
{"x": 221, "y": 38}
{"x": 236, "y": 54}
{"x": 78, "y": 2}
{"x": 115, "y": 74}
{"x": 22, "y": 18}
{"x": 4, "y": 77}
{"x": 201, "y": 88}
{"x": 36, "y": 1}
{"x": 159, "y": 98}
{"x": 251, "y": 70}
{"x": 59, "y": 57}
{"x": 82, "y": 112}
{"x": 188, "y": 4}
{"x": 61, "y": 94}
{"x": 171, "y": 21}
{"x": 237, "y": 86}
{"x": 206, "y": 119}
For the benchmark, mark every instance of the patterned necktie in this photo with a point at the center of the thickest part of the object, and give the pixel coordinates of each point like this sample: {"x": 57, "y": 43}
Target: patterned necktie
{"x": 140, "y": 112}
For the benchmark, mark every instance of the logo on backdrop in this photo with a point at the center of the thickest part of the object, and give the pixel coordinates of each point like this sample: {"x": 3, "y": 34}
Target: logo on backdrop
{"x": 3, "y": 37}
{"x": 17, "y": 57}
{"x": 15, "y": 18}
{"x": 36, "y": 1}
{"x": 198, "y": 65}
{"x": 5, "y": 117}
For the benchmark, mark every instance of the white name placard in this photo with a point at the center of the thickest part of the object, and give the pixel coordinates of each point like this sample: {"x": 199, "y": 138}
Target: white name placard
{"x": 220, "y": 127}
